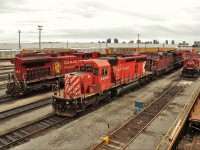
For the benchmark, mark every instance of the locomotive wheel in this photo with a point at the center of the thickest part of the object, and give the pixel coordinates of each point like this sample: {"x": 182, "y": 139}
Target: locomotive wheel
{"x": 95, "y": 103}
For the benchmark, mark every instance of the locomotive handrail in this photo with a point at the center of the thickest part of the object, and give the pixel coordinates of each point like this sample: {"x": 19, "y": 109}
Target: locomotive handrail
{"x": 16, "y": 78}
{"x": 24, "y": 80}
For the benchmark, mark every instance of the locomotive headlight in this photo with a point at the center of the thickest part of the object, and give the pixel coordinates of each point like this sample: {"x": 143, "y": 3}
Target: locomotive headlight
{"x": 54, "y": 100}
{"x": 67, "y": 102}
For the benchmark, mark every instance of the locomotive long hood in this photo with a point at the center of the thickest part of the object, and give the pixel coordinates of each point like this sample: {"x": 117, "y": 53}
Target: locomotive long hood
{"x": 35, "y": 59}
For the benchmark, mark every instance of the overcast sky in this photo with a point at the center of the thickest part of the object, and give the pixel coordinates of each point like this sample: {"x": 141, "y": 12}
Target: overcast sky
{"x": 94, "y": 20}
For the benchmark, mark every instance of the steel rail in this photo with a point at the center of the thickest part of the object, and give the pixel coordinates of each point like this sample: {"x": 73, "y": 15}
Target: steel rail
{"x": 7, "y": 68}
{"x": 4, "y": 98}
{"x": 102, "y": 144}
{"x": 185, "y": 116}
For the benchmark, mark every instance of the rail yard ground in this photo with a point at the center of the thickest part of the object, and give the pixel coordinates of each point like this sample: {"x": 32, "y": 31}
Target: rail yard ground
{"x": 88, "y": 130}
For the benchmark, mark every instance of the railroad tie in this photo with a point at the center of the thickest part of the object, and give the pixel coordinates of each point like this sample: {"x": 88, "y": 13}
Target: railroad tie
{"x": 115, "y": 144}
{"x": 43, "y": 123}
{"x": 53, "y": 120}
{"x": 18, "y": 134}
{"x": 48, "y": 121}
{"x": 25, "y": 132}
{"x": 10, "y": 138}
{"x": 4, "y": 141}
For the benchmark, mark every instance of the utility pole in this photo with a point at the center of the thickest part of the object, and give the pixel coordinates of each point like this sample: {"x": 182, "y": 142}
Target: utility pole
{"x": 145, "y": 46}
{"x": 19, "y": 31}
{"x": 138, "y": 41}
{"x": 40, "y": 28}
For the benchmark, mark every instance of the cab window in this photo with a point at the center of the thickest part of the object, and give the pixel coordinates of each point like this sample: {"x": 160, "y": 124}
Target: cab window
{"x": 104, "y": 71}
{"x": 83, "y": 68}
{"x": 77, "y": 69}
{"x": 89, "y": 69}
{"x": 96, "y": 71}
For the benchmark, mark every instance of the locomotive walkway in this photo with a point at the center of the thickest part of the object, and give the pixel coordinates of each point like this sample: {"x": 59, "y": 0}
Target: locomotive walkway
{"x": 124, "y": 136}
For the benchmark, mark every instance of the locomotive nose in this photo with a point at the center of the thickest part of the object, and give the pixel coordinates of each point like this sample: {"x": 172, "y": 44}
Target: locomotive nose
{"x": 72, "y": 85}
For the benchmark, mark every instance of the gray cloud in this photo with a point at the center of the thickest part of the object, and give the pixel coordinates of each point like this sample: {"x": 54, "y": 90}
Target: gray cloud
{"x": 91, "y": 20}
{"x": 9, "y": 6}
{"x": 89, "y": 9}
{"x": 94, "y": 34}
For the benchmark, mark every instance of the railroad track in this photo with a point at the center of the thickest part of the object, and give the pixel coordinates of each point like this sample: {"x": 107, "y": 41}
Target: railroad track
{"x": 2, "y": 86}
{"x": 3, "y": 77}
{"x": 5, "y": 98}
{"x": 6, "y": 68}
{"x": 21, "y": 109}
{"x": 6, "y": 72}
{"x": 21, "y": 133}
{"x": 123, "y": 136}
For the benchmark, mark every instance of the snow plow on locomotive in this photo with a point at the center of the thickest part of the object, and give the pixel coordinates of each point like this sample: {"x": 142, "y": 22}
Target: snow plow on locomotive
{"x": 36, "y": 71}
{"x": 191, "y": 66}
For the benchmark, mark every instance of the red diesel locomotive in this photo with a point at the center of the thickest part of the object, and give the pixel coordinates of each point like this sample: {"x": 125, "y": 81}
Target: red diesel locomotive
{"x": 95, "y": 80}
{"x": 99, "y": 79}
{"x": 162, "y": 62}
{"x": 35, "y": 71}
{"x": 191, "y": 66}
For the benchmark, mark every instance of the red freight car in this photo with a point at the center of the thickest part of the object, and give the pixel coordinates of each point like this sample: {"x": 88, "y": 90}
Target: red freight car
{"x": 97, "y": 79}
{"x": 191, "y": 66}
{"x": 40, "y": 70}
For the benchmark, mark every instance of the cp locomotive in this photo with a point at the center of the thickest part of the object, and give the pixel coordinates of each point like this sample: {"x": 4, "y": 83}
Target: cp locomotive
{"x": 159, "y": 63}
{"x": 35, "y": 71}
{"x": 99, "y": 79}
{"x": 191, "y": 66}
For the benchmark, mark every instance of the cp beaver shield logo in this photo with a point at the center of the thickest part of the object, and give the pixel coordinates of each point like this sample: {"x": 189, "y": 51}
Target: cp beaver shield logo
{"x": 57, "y": 67}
